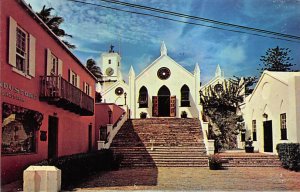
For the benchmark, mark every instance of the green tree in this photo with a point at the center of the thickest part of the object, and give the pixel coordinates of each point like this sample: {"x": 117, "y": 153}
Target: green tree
{"x": 248, "y": 82}
{"x": 276, "y": 59}
{"x": 54, "y": 22}
{"x": 93, "y": 68}
{"x": 221, "y": 109}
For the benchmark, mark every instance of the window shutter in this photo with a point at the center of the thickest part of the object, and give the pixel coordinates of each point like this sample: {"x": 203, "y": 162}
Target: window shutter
{"x": 32, "y": 55}
{"x": 78, "y": 81}
{"x": 90, "y": 88}
{"x": 60, "y": 67}
{"x": 49, "y": 62}
{"x": 12, "y": 42}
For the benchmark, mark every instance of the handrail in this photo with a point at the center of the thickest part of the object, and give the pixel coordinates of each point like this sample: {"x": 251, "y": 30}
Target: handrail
{"x": 120, "y": 118}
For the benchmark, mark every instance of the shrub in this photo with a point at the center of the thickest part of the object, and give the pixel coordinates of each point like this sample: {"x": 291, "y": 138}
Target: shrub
{"x": 215, "y": 162}
{"x": 249, "y": 142}
{"x": 183, "y": 114}
{"x": 289, "y": 155}
{"x": 75, "y": 168}
{"x": 143, "y": 115}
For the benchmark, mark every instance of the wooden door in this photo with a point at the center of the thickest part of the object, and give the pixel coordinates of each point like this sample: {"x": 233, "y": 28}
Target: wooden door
{"x": 268, "y": 136}
{"x": 52, "y": 136}
{"x": 173, "y": 106}
{"x": 154, "y": 106}
{"x": 90, "y": 137}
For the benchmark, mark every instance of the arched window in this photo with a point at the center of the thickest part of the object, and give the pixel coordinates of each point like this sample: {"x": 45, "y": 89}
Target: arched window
{"x": 185, "y": 93}
{"x": 143, "y": 97}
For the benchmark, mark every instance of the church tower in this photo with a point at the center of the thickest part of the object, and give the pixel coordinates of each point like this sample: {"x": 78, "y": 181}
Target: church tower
{"x": 111, "y": 66}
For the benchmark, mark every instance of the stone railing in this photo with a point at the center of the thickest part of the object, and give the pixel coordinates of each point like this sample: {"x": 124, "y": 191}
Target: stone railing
{"x": 209, "y": 143}
{"x": 112, "y": 130}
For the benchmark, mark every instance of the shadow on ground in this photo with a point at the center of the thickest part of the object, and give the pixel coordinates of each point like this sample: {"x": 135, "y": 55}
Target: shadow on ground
{"x": 137, "y": 167}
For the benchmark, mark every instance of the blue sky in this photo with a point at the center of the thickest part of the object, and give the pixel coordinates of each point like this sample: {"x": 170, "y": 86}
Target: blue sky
{"x": 94, "y": 29}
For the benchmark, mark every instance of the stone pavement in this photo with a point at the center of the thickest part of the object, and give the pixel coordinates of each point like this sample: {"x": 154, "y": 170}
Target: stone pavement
{"x": 188, "y": 178}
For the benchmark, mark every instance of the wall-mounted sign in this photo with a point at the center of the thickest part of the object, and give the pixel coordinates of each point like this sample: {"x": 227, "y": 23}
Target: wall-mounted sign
{"x": 43, "y": 136}
{"x": 16, "y": 93}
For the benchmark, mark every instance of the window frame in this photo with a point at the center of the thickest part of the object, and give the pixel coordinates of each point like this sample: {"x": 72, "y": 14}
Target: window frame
{"x": 54, "y": 64}
{"x": 143, "y": 94}
{"x": 254, "y": 130}
{"x": 87, "y": 88}
{"x": 24, "y": 57}
{"x": 74, "y": 80}
{"x": 283, "y": 127}
{"x": 185, "y": 96}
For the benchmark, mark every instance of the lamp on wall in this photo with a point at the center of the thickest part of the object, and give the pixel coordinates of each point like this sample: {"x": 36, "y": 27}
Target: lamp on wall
{"x": 265, "y": 116}
{"x": 125, "y": 95}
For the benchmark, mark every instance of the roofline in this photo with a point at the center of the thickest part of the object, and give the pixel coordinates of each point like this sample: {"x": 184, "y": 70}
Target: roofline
{"x": 114, "y": 85}
{"x": 50, "y": 32}
{"x": 212, "y": 81}
{"x": 260, "y": 79}
{"x": 156, "y": 60}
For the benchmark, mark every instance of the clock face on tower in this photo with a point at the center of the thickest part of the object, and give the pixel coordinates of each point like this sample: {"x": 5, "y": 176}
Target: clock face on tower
{"x": 163, "y": 73}
{"x": 109, "y": 71}
{"x": 119, "y": 91}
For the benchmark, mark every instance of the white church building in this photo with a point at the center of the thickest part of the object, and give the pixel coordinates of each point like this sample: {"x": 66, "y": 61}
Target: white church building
{"x": 162, "y": 89}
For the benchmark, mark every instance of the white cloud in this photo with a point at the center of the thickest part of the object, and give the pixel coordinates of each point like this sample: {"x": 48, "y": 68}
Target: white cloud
{"x": 232, "y": 54}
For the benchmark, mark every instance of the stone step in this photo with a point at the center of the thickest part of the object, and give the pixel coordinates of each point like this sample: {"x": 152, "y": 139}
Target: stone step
{"x": 160, "y": 149}
{"x": 177, "y": 142}
{"x": 168, "y": 164}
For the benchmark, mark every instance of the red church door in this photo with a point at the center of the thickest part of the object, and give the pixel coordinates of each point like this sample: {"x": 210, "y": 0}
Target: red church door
{"x": 173, "y": 106}
{"x": 155, "y": 106}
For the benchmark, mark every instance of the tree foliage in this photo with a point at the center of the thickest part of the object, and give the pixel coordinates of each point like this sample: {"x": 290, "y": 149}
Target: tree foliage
{"x": 276, "y": 59}
{"x": 248, "y": 82}
{"x": 93, "y": 68}
{"x": 54, "y": 22}
{"x": 221, "y": 109}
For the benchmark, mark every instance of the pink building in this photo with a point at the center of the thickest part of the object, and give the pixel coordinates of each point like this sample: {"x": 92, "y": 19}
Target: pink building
{"x": 47, "y": 95}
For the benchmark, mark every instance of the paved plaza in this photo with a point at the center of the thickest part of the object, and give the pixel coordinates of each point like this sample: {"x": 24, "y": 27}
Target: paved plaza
{"x": 189, "y": 178}
{"x": 182, "y": 179}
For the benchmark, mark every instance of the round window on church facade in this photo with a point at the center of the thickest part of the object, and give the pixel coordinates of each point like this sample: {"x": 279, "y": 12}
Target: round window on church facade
{"x": 119, "y": 91}
{"x": 218, "y": 87}
{"x": 163, "y": 73}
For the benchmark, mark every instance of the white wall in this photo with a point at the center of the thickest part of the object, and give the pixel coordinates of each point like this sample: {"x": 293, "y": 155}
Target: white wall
{"x": 109, "y": 95}
{"x": 274, "y": 96}
{"x": 179, "y": 77}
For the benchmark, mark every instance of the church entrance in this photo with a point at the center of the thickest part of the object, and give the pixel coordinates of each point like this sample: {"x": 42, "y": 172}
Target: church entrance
{"x": 164, "y": 105}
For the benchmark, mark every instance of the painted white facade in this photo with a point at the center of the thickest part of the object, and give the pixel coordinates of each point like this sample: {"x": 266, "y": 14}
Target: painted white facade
{"x": 148, "y": 78}
{"x": 275, "y": 93}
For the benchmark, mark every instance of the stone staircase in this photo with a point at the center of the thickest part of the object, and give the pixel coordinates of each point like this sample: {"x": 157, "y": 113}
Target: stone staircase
{"x": 161, "y": 142}
{"x": 241, "y": 159}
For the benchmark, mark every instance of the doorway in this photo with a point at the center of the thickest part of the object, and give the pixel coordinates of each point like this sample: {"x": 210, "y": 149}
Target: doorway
{"x": 164, "y": 102}
{"x": 53, "y": 137}
{"x": 90, "y": 139}
{"x": 268, "y": 136}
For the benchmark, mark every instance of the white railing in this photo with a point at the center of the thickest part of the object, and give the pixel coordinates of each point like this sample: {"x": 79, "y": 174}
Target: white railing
{"x": 112, "y": 130}
{"x": 209, "y": 143}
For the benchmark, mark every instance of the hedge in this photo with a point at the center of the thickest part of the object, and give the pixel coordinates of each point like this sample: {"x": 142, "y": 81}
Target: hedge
{"x": 289, "y": 155}
{"x": 77, "y": 167}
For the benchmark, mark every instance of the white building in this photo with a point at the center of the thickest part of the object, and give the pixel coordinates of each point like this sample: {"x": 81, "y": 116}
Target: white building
{"x": 272, "y": 112}
{"x": 163, "y": 89}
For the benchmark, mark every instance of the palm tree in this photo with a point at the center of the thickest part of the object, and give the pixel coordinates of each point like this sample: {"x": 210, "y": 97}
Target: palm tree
{"x": 53, "y": 23}
{"x": 93, "y": 68}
